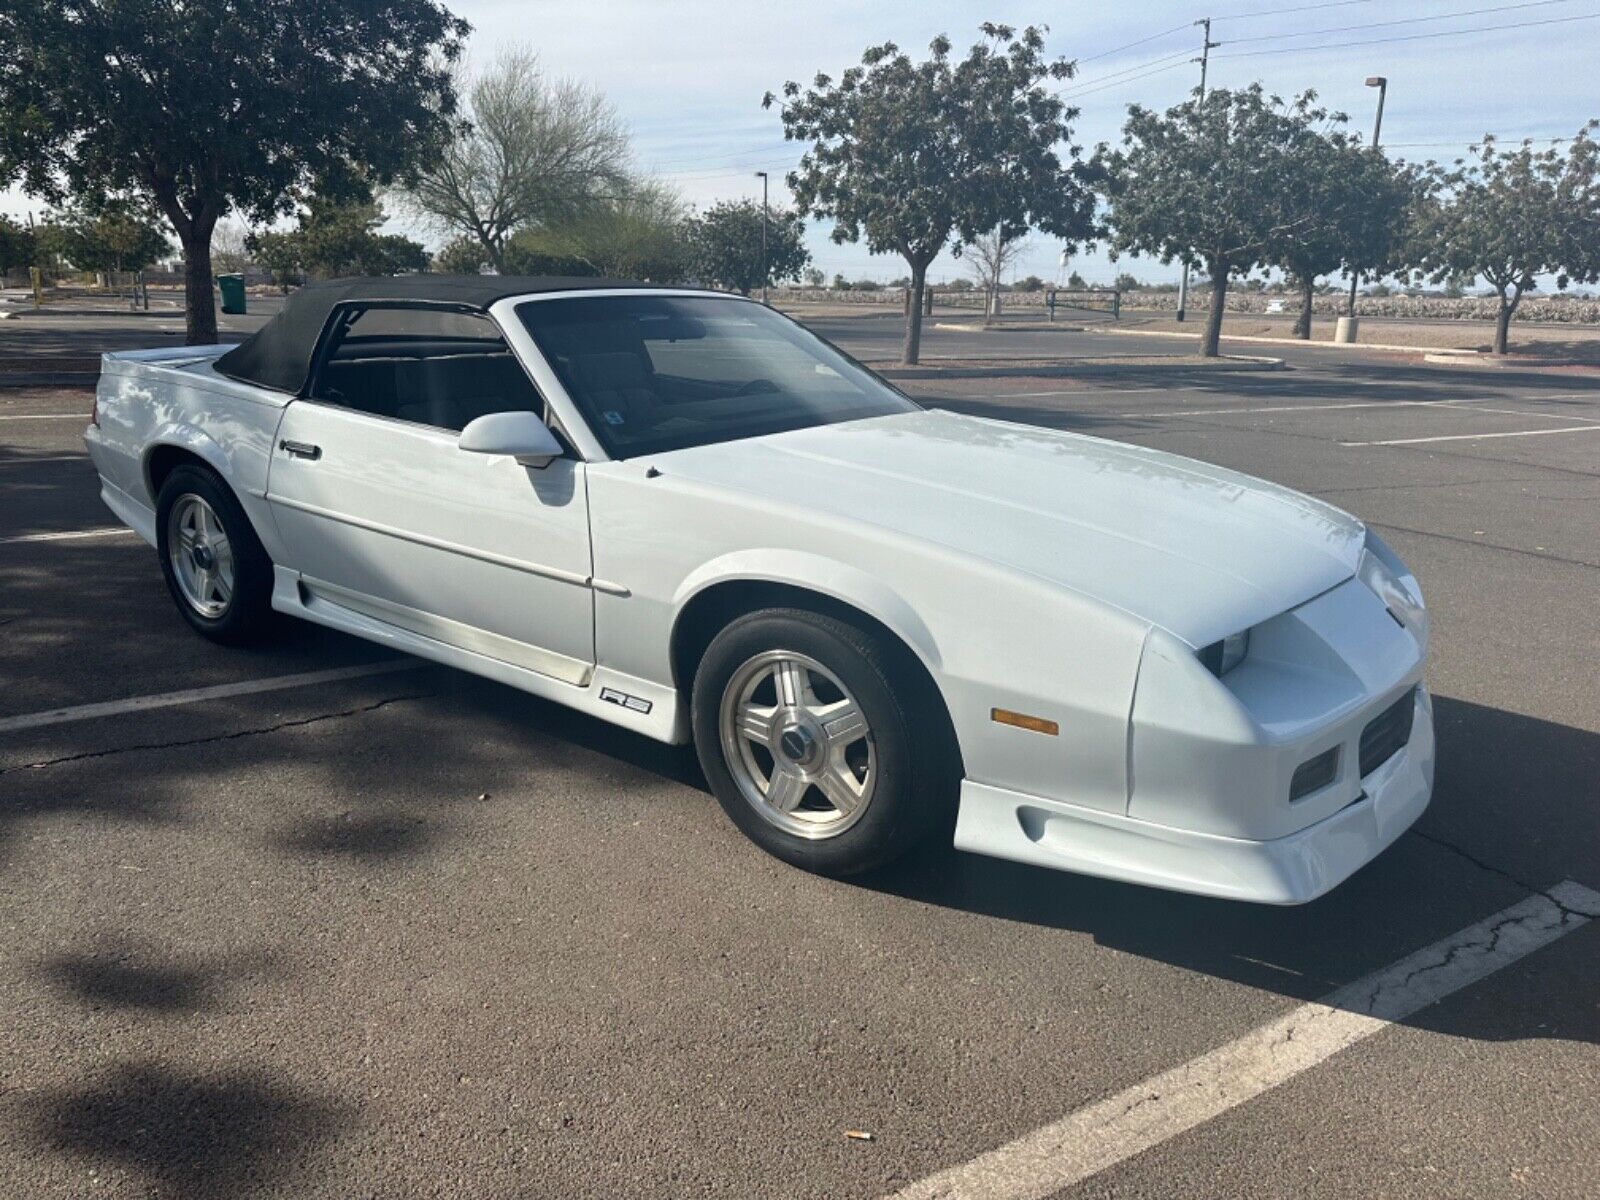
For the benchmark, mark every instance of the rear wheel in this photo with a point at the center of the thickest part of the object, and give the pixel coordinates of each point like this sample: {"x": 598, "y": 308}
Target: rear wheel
{"x": 215, "y": 566}
{"x": 817, "y": 746}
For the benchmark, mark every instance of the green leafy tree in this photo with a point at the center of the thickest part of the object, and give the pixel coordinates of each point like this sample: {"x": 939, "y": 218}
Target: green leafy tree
{"x": 915, "y": 156}
{"x": 539, "y": 252}
{"x": 1204, "y": 182}
{"x": 536, "y": 153}
{"x": 341, "y": 238}
{"x": 727, "y": 245}
{"x": 643, "y": 234}
{"x": 109, "y": 235}
{"x": 814, "y": 277}
{"x": 1345, "y": 206}
{"x": 280, "y": 254}
{"x": 1077, "y": 282}
{"x": 1509, "y": 216}
{"x": 1126, "y": 283}
{"x": 212, "y": 106}
{"x": 336, "y": 238}
{"x": 17, "y": 246}
{"x": 460, "y": 256}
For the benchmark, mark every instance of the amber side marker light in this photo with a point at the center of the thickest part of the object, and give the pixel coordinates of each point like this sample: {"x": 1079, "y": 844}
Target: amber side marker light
{"x": 1004, "y": 716}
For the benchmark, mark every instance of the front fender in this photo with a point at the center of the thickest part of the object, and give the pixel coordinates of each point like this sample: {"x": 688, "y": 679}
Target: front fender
{"x": 817, "y": 573}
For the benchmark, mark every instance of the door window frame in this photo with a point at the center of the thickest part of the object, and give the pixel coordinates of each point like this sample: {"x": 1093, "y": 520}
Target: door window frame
{"x": 339, "y": 319}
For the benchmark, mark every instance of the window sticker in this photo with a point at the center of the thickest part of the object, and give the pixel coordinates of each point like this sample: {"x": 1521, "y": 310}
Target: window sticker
{"x": 612, "y": 416}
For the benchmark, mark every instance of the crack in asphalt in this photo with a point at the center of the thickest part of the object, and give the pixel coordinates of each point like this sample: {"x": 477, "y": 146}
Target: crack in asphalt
{"x": 1567, "y": 911}
{"x": 298, "y": 722}
{"x": 1487, "y": 949}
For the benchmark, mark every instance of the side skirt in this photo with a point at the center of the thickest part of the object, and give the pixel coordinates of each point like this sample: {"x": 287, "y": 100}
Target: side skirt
{"x": 594, "y": 690}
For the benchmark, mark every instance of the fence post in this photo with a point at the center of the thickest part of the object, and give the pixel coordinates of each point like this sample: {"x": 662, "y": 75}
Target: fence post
{"x": 1116, "y": 305}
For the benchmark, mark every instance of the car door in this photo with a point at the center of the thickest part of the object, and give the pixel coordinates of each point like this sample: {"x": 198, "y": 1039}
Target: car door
{"x": 383, "y": 514}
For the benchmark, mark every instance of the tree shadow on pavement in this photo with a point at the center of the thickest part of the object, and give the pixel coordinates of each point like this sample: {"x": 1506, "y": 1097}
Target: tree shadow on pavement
{"x": 196, "y": 1136}
{"x": 125, "y": 975}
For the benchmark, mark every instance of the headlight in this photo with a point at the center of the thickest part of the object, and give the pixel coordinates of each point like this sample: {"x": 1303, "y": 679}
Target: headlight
{"x": 1393, "y": 583}
{"x": 1221, "y": 657}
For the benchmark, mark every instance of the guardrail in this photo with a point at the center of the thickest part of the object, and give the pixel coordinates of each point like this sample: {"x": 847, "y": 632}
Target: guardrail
{"x": 1097, "y": 300}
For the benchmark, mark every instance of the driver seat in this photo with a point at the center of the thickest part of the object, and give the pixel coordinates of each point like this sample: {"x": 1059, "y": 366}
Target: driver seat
{"x": 618, "y": 382}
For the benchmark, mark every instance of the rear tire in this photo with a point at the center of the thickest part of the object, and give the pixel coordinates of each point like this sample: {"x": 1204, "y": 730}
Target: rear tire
{"x": 216, "y": 568}
{"x": 818, "y": 742}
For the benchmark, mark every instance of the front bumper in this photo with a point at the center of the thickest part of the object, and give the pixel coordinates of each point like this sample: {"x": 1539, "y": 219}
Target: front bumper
{"x": 1287, "y": 870}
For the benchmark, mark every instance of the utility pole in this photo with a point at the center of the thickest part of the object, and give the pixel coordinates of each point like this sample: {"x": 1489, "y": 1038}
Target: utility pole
{"x": 763, "y": 176}
{"x": 1206, "y": 47}
{"x": 1382, "y": 84}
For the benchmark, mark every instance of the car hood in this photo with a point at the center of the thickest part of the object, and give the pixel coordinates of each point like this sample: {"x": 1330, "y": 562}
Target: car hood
{"x": 1197, "y": 549}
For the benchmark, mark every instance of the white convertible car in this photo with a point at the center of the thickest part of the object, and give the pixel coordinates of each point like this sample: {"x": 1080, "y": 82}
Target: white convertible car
{"x": 682, "y": 512}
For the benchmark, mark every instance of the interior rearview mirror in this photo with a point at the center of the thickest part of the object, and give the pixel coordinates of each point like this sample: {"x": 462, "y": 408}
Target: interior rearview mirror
{"x": 520, "y": 434}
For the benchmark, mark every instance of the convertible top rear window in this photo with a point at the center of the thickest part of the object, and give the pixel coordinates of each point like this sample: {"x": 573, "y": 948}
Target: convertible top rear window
{"x": 654, "y": 373}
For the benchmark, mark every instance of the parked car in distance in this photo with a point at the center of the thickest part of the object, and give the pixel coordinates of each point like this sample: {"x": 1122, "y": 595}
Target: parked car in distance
{"x": 681, "y": 512}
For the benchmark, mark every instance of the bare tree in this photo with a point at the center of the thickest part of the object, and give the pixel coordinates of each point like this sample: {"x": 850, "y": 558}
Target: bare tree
{"x": 229, "y": 254}
{"x": 989, "y": 256}
{"x": 533, "y": 152}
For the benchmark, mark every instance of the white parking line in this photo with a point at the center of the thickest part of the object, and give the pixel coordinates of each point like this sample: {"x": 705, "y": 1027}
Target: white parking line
{"x": 69, "y": 535}
{"x": 1091, "y": 390}
{"x": 250, "y": 687}
{"x": 1523, "y": 412}
{"x": 1472, "y": 437}
{"x": 76, "y": 416}
{"x": 1275, "y": 408}
{"x": 1101, "y": 1135}
{"x": 52, "y": 458}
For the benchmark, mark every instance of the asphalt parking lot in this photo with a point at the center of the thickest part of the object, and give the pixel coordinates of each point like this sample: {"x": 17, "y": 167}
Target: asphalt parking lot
{"x": 379, "y": 929}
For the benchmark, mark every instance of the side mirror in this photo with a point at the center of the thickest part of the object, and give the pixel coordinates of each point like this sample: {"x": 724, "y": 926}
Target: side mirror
{"x": 520, "y": 434}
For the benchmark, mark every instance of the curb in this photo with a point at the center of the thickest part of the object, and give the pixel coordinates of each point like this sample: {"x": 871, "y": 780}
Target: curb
{"x": 1020, "y": 327}
{"x": 70, "y": 380}
{"x": 1242, "y": 337}
{"x": 58, "y": 311}
{"x": 1509, "y": 362}
{"x": 1067, "y": 368}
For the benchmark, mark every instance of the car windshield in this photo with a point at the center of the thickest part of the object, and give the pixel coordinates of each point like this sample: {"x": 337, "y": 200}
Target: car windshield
{"x": 652, "y": 373}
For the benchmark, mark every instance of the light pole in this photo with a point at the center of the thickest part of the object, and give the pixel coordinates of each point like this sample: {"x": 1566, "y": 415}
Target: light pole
{"x": 1382, "y": 84}
{"x": 763, "y": 176}
{"x": 1206, "y": 47}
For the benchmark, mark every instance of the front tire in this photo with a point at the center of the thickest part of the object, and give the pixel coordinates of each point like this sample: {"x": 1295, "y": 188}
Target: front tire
{"x": 819, "y": 743}
{"x": 216, "y": 568}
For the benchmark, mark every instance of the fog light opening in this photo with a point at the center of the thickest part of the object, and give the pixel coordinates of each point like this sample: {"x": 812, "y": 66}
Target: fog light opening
{"x": 1314, "y": 774}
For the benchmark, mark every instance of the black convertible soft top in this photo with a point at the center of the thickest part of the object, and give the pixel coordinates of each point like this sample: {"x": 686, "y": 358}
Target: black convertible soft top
{"x": 278, "y": 355}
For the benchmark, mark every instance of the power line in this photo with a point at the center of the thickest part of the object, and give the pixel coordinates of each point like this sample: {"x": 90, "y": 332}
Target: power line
{"x": 1273, "y": 12}
{"x": 1131, "y": 45}
{"x": 1477, "y": 141}
{"x": 1093, "y": 82}
{"x": 1470, "y": 12}
{"x": 1412, "y": 37}
{"x": 1131, "y": 79}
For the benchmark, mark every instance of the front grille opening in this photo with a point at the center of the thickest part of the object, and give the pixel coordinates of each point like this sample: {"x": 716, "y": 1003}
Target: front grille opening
{"x": 1387, "y": 733}
{"x": 1314, "y": 774}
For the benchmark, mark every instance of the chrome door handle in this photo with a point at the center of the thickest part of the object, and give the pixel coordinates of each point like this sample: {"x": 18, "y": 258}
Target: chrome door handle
{"x": 300, "y": 449}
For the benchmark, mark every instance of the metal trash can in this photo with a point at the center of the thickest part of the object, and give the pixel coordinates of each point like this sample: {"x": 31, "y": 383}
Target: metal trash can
{"x": 232, "y": 293}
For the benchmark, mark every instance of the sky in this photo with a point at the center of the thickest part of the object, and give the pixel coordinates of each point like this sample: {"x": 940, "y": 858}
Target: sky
{"x": 687, "y": 76}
